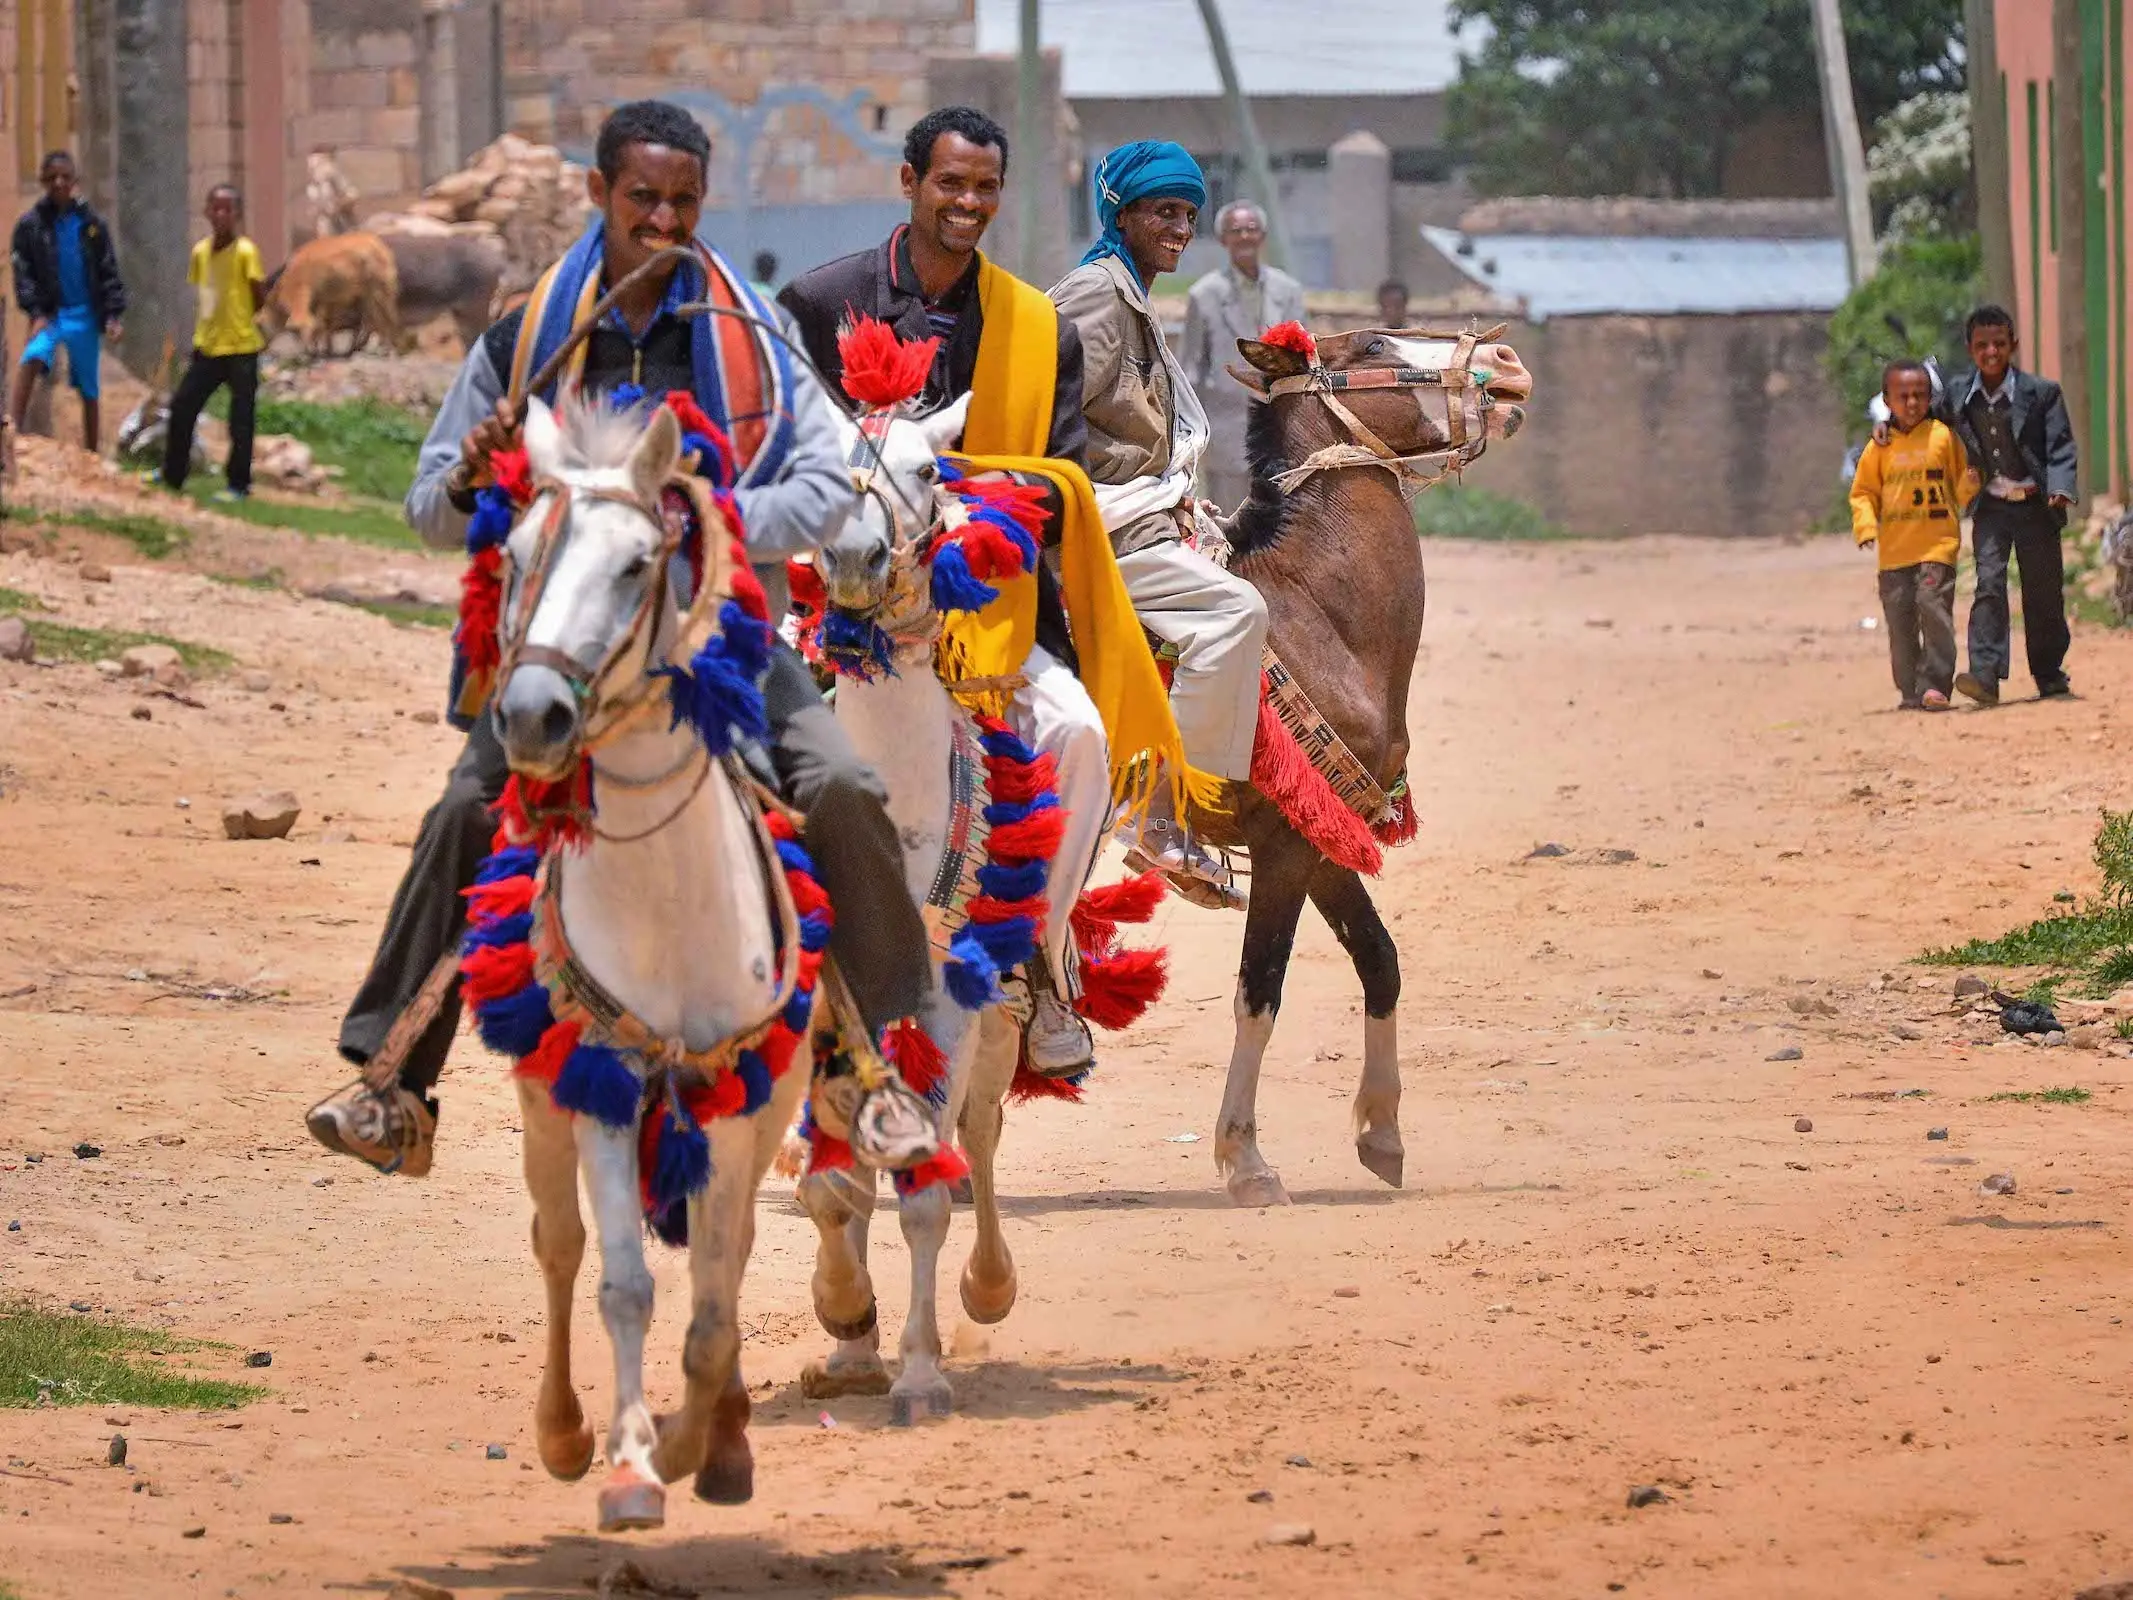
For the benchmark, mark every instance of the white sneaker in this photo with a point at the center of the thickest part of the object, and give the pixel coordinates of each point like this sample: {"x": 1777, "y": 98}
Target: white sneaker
{"x": 1059, "y": 1041}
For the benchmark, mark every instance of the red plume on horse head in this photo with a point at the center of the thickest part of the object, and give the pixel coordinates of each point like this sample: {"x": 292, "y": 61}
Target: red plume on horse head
{"x": 1292, "y": 336}
{"x": 879, "y": 368}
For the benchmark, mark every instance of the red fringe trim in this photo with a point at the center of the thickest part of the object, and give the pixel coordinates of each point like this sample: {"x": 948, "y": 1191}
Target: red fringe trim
{"x": 985, "y": 908}
{"x": 1399, "y": 829}
{"x": 1035, "y": 837}
{"x": 1117, "y": 990}
{"x": 1098, "y": 912}
{"x": 950, "y": 1166}
{"x": 548, "y": 815}
{"x": 489, "y": 972}
{"x": 1017, "y": 783}
{"x": 491, "y": 902}
{"x": 1284, "y": 774}
{"x": 512, "y": 472}
{"x": 879, "y": 368}
{"x": 825, "y": 1152}
{"x": 481, "y": 611}
{"x": 917, "y": 1059}
{"x": 1028, "y": 1086}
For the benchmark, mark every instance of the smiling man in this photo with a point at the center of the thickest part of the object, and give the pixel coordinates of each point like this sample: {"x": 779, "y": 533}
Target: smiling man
{"x": 1147, "y": 433}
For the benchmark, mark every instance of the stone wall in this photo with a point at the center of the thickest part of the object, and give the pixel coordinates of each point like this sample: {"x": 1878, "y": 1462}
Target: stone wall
{"x": 214, "y": 80}
{"x": 364, "y": 99}
{"x": 1690, "y": 424}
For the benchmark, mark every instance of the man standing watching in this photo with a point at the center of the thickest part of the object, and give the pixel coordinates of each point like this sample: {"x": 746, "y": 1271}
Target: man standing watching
{"x": 1239, "y": 301}
{"x": 226, "y": 275}
{"x": 67, "y": 283}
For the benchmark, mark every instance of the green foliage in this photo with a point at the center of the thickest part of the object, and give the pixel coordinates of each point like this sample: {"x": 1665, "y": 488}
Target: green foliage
{"x": 15, "y": 600}
{"x": 376, "y": 522}
{"x": 1457, "y": 511}
{"x": 56, "y": 641}
{"x": 1919, "y": 169}
{"x": 1913, "y": 305}
{"x": 69, "y": 1359}
{"x": 152, "y": 536}
{"x": 2045, "y": 991}
{"x": 2043, "y": 1097}
{"x": 2093, "y": 942}
{"x": 373, "y": 443}
{"x": 1643, "y": 96}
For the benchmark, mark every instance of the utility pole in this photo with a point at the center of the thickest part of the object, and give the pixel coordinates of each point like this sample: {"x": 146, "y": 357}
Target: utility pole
{"x": 1036, "y": 170}
{"x": 1240, "y": 110}
{"x": 1840, "y": 129}
{"x": 1988, "y": 150}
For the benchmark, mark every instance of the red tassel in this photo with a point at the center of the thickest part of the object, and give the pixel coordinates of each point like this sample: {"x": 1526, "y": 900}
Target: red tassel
{"x": 826, "y": 1153}
{"x": 805, "y": 585}
{"x": 949, "y": 1166}
{"x": 724, "y": 1097}
{"x": 807, "y": 895}
{"x": 917, "y": 1059}
{"x": 1400, "y": 827}
{"x": 489, "y": 972}
{"x": 1023, "y": 504}
{"x": 546, "y": 815}
{"x": 481, "y": 608}
{"x": 491, "y": 902}
{"x": 1284, "y": 774}
{"x": 1017, "y": 783}
{"x": 1118, "y": 990}
{"x": 1098, "y": 912}
{"x": 1035, "y": 838}
{"x": 988, "y": 552}
{"x": 1028, "y": 1086}
{"x": 549, "y": 1055}
{"x": 748, "y": 593}
{"x": 879, "y": 368}
{"x": 1293, "y": 336}
{"x": 984, "y": 908}
{"x": 512, "y": 472}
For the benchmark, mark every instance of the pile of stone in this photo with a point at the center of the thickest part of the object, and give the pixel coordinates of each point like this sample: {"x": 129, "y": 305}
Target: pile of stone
{"x": 523, "y": 194}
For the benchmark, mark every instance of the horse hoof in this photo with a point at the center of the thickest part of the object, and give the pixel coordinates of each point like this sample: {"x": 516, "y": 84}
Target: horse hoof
{"x": 819, "y": 1380}
{"x": 728, "y": 1482}
{"x": 1382, "y": 1153}
{"x": 910, "y": 1407}
{"x": 629, "y": 1500}
{"x": 986, "y": 1301}
{"x": 1257, "y": 1190}
{"x": 567, "y": 1453}
{"x": 858, "y": 1328}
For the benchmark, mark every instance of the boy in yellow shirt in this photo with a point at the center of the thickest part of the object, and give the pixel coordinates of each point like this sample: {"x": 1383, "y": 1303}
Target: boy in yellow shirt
{"x": 226, "y": 275}
{"x": 1904, "y": 499}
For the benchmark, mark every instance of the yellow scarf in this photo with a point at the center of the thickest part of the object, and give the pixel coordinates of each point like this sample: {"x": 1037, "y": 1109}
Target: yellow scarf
{"x": 1008, "y": 429}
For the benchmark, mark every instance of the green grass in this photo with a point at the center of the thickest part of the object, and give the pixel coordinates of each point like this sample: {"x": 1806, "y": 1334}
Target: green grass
{"x": 151, "y": 536}
{"x": 2042, "y": 1097}
{"x": 377, "y": 522}
{"x": 1457, "y": 511}
{"x": 81, "y": 1360}
{"x": 2092, "y": 941}
{"x": 59, "y": 642}
{"x": 408, "y": 614}
{"x": 2045, "y": 991}
{"x": 374, "y": 444}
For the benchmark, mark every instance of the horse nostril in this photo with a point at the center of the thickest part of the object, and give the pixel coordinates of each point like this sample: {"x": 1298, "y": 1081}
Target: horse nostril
{"x": 878, "y": 560}
{"x": 558, "y": 722}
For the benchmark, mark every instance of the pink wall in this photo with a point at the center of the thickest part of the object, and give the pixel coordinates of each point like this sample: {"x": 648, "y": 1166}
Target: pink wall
{"x": 2023, "y": 37}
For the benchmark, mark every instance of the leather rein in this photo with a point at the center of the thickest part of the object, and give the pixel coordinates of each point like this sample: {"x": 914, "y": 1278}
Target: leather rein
{"x": 1364, "y": 448}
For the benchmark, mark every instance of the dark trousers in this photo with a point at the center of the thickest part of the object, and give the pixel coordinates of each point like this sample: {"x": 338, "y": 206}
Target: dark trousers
{"x": 880, "y": 942}
{"x": 1919, "y": 604}
{"x": 2027, "y": 531}
{"x": 206, "y": 375}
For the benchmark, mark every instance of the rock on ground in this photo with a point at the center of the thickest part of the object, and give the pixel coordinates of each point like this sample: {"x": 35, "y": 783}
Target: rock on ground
{"x": 263, "y": 816}
{"x": 15, "y": 641}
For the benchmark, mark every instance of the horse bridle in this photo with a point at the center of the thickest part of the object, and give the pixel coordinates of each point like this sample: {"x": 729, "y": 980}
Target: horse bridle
{"x": 1364, "y": 448}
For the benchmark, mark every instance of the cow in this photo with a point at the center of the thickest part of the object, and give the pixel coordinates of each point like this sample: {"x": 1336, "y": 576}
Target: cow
{"x": 346, "y": 283}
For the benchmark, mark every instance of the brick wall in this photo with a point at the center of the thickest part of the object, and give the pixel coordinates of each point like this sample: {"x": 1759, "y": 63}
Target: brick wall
{"x": 214, "y": 71}
{"x": 364, "y": 104}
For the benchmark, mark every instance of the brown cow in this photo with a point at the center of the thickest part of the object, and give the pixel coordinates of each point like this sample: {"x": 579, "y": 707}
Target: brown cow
{"x": 347, "y": 283}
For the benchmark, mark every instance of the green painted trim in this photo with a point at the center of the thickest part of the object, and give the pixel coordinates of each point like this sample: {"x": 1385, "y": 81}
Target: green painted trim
{"x": 2096, "y": 78}
{"x": 2036, "y": 222}
{"x": 2115, "y": 56}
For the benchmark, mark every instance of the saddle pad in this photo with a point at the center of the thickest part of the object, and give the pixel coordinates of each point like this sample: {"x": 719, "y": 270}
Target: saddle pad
{"x": 1343, "y": 771}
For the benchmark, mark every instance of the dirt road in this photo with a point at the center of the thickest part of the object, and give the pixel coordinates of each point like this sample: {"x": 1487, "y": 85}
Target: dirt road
{"x": 1617, "y": 1264}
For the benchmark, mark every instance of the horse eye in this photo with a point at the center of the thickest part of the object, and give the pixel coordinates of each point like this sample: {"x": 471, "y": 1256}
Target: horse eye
{"x": 637, "y": 568}
{"x": 929, "y": 473}
{"x": 1376, "y": 347}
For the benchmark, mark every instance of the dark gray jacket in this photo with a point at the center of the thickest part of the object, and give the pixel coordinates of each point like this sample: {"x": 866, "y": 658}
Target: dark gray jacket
{"x": 2043, "y": 432}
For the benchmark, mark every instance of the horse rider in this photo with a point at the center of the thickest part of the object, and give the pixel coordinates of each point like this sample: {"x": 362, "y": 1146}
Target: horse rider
{"x": 1091, "y": 697}
{"x": 1147, "y": 432}
{"x": 793, "y": 490}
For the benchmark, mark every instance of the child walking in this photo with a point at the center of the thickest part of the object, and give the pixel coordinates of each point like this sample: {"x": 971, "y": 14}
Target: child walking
{"x": 225, "y": 271}
{"x": 1904, "y": 500}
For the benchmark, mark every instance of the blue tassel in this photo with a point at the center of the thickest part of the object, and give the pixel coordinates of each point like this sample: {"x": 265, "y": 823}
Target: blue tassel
{"x": 970, "y": 975}
{"x": 955, "y": 586}
{"x": 513, "y": 1024}
{"x": 491, "y": 523}
{"x": 747, "y": 638}
{"x": 949, "y": 471}
{"x": 814, "y": 931}
{"x": 856, "y": 646}
{"x": 1020, "y": 882}
{"x": 625, "y": 395}
{"x": 597, "y": 1082}
{"x": 794, "y": 857}
{"x": 518, "y": 861}
{"x": 798, "y": 1009}
{"x": 1003, "y": 741}
{"x": 715, "y": 698}
{"x": 807, "y": 1118}
{"x": 500, "y": 931}
{"x": 1009, "y": 943}
{"x": 1001, "y": 813}
{"x": 993, "y": 517}
{"x": 754, "y": 1073}
{"x": 681, "y": 1167}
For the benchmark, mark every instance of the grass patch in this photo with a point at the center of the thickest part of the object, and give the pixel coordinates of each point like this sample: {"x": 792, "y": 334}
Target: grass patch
{"x": 2045, "y": 991}
{"x": 12, "y": 600}
{"x": 80, "y": 1360}
{"x": 407, "y": 613}
{"x": 2042, "y": 1097}
{"x": 377, "y": 522}
{"x": 2092, "y": 942}
{"x": 58, "y": 642}
{"x": 373, "y": 443}
{"x": 1457, "y": 511}
{"x": 154, "y": 538}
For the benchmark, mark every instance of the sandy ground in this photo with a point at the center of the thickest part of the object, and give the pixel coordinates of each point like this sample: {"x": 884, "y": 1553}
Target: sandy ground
{"x": 1616, "y": 1264}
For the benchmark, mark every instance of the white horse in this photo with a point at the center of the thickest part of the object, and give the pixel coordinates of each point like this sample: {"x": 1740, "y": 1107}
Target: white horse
{"x": 673, "y": 910}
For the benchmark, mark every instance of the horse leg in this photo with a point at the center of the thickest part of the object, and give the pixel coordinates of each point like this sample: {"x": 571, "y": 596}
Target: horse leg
{"x": 921, "y": 1389}
{"x": 841, "y": 1202}
{"x": 988, "y": 1284}
{"x": 632, "y": 1497}
{"x": 1281, "y": 870}
{"x": 561, "y": 1433}
{"x": 1345, "y": 903}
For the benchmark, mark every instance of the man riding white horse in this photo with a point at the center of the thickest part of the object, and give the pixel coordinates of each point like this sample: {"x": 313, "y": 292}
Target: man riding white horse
{"x": 1091, "y": 700}
{"x": 793, "y": 490}
{"x": 1146, "y": 433}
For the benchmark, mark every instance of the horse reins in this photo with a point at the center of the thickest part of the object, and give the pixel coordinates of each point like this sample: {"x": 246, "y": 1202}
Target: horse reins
{"x": 1364, "y": 448}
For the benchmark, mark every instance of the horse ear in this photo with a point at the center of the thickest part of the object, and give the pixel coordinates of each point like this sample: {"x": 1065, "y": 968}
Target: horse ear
{"x": 945, "y": 426}
{"x": 544, "y": 440}
{"x": 1276, "y": 361}
{"x": 657, "y": 454}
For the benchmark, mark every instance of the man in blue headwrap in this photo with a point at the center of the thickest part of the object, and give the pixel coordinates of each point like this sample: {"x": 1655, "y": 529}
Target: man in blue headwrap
{"x": 1147, "y": 431}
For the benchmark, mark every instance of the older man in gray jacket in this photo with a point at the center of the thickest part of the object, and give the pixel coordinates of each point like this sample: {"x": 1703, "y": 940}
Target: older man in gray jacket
{"x": 1239, "y": 301}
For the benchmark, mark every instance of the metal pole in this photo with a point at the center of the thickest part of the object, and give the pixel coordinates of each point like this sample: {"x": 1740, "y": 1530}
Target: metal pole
{"x": 1840, "y": 117}
{"x": 1029, "y": 140}
{"x": 1248, "y": 135}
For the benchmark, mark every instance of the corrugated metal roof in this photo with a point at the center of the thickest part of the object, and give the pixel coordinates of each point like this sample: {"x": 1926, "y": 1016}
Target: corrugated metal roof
{"x": 1157, "y": 49}
{"x": 1562, "y": 276}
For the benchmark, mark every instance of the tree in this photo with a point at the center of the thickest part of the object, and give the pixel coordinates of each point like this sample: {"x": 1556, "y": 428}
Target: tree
{"x": 1642, "y": 96}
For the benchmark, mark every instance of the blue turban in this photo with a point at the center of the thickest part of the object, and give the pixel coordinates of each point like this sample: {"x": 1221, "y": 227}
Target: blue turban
{"x": 1149, "y": 169}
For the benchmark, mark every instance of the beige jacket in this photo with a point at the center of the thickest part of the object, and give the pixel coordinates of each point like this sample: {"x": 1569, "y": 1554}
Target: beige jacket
{"x": 1132, "y": 395}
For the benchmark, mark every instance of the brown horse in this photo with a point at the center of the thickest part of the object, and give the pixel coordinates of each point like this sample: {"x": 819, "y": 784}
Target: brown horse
{"x": 1328, "y": 538}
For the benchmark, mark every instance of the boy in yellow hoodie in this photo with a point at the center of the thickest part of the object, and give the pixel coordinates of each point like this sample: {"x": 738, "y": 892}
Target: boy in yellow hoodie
{"x": 1904, "y": 499}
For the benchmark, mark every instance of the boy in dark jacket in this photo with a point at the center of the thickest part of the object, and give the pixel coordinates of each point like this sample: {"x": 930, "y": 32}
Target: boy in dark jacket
{"x": 67, "y": 283}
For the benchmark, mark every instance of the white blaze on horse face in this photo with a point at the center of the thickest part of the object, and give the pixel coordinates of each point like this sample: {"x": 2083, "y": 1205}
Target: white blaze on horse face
{"x": 1431, "y": 355}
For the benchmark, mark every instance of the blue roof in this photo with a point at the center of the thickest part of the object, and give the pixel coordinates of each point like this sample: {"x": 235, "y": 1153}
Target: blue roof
{"x": 1559, "y": 275}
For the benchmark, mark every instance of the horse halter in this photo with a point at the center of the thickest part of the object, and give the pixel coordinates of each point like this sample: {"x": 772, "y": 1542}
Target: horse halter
{"x": 1467, "y": 436}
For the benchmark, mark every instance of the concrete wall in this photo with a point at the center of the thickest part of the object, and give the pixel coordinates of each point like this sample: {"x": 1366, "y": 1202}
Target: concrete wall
{"x": 1703, "y": 425}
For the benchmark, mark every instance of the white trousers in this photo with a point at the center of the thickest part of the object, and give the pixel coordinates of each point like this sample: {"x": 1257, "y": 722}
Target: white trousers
{"x": 1218, "y": 623}
{"x": 1053, "y": 713}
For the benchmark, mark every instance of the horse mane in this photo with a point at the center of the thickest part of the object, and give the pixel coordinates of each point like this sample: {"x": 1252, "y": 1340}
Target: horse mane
{"x": 598, "y": 436}
{"x": 1269, "y": 510}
